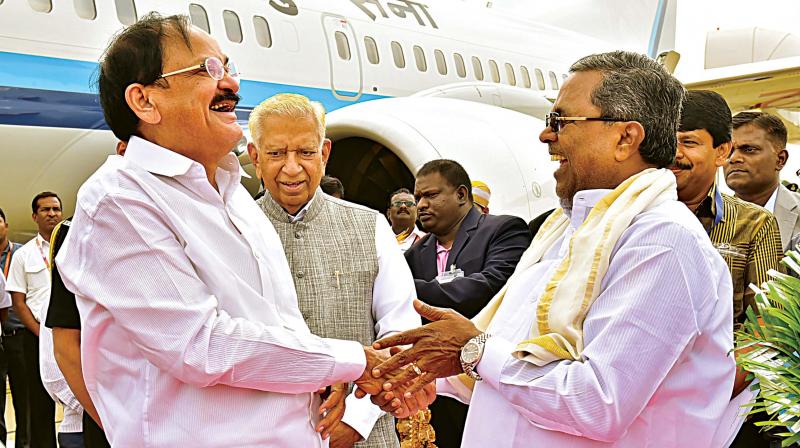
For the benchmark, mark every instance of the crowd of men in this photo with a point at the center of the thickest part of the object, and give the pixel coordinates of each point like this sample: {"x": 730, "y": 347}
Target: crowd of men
{"x": 173, "y": 310}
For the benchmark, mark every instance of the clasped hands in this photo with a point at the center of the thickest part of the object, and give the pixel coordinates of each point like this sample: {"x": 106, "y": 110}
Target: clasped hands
{"x": 403, "y": 383}
{"x": 400, "y": 382}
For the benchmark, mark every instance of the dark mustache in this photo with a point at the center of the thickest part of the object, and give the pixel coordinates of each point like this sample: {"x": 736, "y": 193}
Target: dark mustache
{"x": 682, "y": 166}
{"x": 229, "y": 96}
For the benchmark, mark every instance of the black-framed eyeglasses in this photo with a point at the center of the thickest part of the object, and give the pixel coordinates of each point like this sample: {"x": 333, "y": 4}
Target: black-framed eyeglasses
{"x": 402, "y": 203}
{"x": 215, "y": 68}
{"x": 555, "y": 121}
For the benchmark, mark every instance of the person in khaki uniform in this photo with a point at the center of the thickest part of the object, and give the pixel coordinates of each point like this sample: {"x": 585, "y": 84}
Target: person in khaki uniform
{"x": 352, "y": 282}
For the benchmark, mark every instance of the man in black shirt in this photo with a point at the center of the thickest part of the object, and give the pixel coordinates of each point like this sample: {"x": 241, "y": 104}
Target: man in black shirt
{"x": 64, "y": 320}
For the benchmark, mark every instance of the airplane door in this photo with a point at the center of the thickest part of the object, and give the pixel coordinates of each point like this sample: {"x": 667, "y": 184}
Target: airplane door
{"x": 344, "y": 58}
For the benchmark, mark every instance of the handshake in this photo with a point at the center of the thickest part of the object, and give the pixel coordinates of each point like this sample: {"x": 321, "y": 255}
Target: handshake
{"x": 400, "y": 382}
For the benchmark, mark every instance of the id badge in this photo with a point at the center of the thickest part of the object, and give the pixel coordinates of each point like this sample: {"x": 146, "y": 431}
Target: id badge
{"x": 734, "y": 252}
{"x": 448, "y": 276}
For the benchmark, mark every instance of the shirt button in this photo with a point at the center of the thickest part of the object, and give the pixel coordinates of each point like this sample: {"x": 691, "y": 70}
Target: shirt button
{"x": 300, "y": 274}
{"x": 297, "y": 235}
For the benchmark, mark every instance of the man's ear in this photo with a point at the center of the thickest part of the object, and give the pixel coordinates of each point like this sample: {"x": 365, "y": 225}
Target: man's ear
{"x": 326, "y": 150}
{"x": 141, "y": 102}
{"x": 723, "y": 151}
{"x": 252, "y": 151}
{"x": 462, "y": 194}
{"x": 629, "y": 141}
{"x": 783, "y": 157}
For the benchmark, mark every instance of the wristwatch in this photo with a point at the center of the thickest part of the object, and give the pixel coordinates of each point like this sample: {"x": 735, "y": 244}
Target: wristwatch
{"x": 471, "y": 354}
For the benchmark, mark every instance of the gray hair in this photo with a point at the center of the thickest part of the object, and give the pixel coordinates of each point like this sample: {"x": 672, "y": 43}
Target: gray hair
{"x": 286, "y": 105}
{"x": 637, "y": 88}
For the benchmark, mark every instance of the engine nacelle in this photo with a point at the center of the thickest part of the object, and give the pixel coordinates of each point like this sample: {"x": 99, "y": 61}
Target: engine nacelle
{"x": 379, "y": 145}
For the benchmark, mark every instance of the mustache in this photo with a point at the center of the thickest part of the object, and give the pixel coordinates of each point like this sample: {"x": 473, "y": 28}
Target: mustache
{"x": 229, "y": 96}
{"x": 682, "y": 166}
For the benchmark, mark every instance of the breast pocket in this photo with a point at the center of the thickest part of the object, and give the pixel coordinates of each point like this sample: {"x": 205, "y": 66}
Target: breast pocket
{"x": 36, "y": 275}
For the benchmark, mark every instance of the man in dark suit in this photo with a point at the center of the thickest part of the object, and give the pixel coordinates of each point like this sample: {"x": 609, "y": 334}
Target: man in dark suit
{"x": 461, "y": 264}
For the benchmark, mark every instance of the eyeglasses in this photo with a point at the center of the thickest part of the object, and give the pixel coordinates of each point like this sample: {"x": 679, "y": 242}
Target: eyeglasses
{"x": 213, "y": 66}
{"x": 402, "y": 203}
{"x": 555, "y": 122}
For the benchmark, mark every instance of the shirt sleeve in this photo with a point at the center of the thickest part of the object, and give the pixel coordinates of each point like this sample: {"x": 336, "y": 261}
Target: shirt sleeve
{"x": 635, "y": 332}
{"x": 16, "y": 281}
{"x": 124, "y": 256}
{"x": 5, "y": 296}
{"x": 392, "y": 307}
{"x": 63, "y": 310}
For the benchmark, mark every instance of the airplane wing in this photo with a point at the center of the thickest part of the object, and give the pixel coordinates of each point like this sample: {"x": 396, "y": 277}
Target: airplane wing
{"x": 768, "y": 88}
{"x": 755, "y": 68}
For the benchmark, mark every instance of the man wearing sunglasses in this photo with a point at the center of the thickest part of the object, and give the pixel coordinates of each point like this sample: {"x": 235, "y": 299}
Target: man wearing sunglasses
{"x": 402, "y": 214}
{"x": 615, "y": 328}
{"x": 191, "y": 335}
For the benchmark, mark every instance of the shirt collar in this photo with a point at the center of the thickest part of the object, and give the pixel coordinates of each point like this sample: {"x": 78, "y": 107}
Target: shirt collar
{"x": 165, "y": 162}
{"x": 43, "y": 242}
{"x": 582, "y": 204}
{"x": 302, "y": 213}
{"x": 770, "y": 205}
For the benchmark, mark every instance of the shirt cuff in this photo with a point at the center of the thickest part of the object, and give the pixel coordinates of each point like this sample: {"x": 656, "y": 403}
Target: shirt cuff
{"x": 361, "y": 415}
{"x": 350, "y": 360}
{"x": 496, "y": 352}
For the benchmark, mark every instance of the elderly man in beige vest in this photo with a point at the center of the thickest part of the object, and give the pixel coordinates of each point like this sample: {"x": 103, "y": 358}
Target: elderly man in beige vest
{"x": 351, "y": 281}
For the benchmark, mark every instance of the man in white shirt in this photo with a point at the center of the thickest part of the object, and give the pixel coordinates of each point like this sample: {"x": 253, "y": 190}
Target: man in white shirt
{"x": 646, "y": 363}
{"x": 402, "y": 214}
{"x": 191, "y": 331}
{"x": 754, "y": 168}
{"x": 29, "y": 285}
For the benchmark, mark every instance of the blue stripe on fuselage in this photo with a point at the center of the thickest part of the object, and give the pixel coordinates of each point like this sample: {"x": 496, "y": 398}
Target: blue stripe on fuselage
{"x": 53, "y": 92}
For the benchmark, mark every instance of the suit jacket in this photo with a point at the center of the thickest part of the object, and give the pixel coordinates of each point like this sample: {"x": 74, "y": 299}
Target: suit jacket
{"x": 487, "y": 248}
{"x": 787, "y": 212}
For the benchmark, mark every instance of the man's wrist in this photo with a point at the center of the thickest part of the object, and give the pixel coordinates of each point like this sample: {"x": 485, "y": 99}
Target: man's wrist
{"x": 471, "y": 354}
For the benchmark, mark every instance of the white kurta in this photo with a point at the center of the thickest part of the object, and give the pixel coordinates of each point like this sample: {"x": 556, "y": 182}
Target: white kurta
{"x": 656, "y": 370}
{"x": 191, "y": 331}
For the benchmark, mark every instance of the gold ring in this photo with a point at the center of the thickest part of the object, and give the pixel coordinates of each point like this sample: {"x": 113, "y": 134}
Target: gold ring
{"x": 416, "y": 368}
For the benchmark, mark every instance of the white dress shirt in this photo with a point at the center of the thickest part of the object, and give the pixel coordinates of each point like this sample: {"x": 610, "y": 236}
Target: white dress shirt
{"x": 54, "y": 382}
{"x": 393, "y": 294}
{"x": 191, "y": 331}
{"x": 29, "y": 274}
{"x": 770, "y": 205}
{"x": 412, "y": 238}
{"x": 656, "y": 371}
{"x": 5, "y": 297}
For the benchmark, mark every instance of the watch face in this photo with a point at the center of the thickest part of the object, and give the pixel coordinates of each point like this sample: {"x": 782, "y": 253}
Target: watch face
{"x": 470, "y": 353}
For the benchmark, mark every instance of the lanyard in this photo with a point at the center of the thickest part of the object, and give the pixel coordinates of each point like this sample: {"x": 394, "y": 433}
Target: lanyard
{"x": 41, "y": 252}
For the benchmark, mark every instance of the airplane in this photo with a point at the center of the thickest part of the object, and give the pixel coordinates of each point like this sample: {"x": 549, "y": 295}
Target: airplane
{"x": 404, "y": 82}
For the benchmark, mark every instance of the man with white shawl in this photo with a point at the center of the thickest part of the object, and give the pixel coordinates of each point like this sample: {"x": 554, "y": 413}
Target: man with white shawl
{"x": 615, "y": 329}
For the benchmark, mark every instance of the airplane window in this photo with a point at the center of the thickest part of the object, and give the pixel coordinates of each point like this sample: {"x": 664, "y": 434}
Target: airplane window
{"x": 419, "y": 57}
{"x": 372, "y": 50}
{"x": 553, "y": 81}
{"x": 460, "y": 68}
{"x": 342, "y": 45}
{"x": 477, "y": 68}
{"x": 494, "y": 70}
{"x": 85, "y": 9}
{"x": 233, "y": 28}
{"x": 539, "y": 79}
{"x": 397, "y": 54}
{"x": 526, "y": 76}
{"x": 512, "y": 79}
{"x": 41, "y": 5}
{"x": 198, "y": 17}
{"x": 441, "y": 64}
{"x": 126, "y": 11}
{"x": 263, "y": 35}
